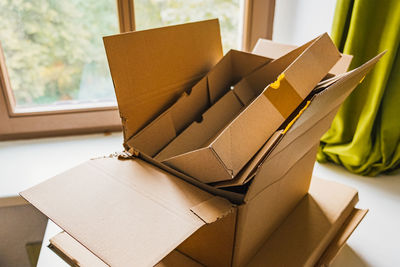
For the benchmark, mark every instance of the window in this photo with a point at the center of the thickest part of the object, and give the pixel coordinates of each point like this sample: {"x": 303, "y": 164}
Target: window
{"x": 54, "y": 77}
{"x": 297, "y": 22}
{"x": 54, "y": 52}
{"x": 150, "y": 14}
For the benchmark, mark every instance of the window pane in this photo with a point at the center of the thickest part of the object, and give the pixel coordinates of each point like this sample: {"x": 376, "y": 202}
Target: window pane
{"x": 297, "y": 22}
{"x": 54, "y": 49}
{"x": 156, "y": 13}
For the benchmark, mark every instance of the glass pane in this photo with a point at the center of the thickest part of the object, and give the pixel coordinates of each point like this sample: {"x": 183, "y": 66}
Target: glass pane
{"x": 54, "y": 49}
{"x": 156, "y": 13}
{"x": 297, "y": 22}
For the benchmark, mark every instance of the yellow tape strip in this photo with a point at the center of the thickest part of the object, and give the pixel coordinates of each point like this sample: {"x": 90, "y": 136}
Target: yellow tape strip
{"x": 277, "y": 83}
{"x": 297, "y": 116}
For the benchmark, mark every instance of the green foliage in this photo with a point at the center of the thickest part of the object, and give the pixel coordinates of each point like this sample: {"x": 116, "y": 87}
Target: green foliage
{"x": 48, "y": 43}
{"x": 54, "y": 50}
{"x": 156, "y": 13}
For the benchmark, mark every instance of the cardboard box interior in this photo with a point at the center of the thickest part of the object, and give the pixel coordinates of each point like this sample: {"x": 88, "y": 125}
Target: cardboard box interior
{"x": 232, "y": 111}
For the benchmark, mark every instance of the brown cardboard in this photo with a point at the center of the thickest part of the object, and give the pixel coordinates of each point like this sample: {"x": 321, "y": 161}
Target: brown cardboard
{"x": 258, "y": 218}
{"x": 136, "y": 211}
{"x": 77, "y": 255}
{"x": 180, "y": 55}
{"x": 356, "y": 216}
{"x": 322, "y": 108}
{"x": 216, "y": 148}
{"x": 319, "y": 194}
{"x": 191, "y": 108}
{"x": 307, "y": 231}
{"x": 193, "y": 103}
{"x": 128, "y": 201}
{"x": 270, "y": 49}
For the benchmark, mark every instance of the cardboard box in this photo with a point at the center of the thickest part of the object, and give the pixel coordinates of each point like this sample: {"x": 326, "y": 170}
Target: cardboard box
{"x": 297, "y": 228}
{"x": 136, "y": 211}
{"x": 246, "y": 105}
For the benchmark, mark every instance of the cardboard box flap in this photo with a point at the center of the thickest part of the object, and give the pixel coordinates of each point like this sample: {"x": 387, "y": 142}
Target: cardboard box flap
{"x": 234, "y": 197}
{"x": 310, "y": 228}
{"x": 326, "y": 101}
{"x": 274, "y": 50}
{"x": 177, "y": 55}
{"x": 308, "y": 128}
{"x": 75, "y": 254}
{"x": 213, "y": 209}
{"x": 277, "y": 165}
{"x": 146, "y": 212}
{"x": 268, "y": 73}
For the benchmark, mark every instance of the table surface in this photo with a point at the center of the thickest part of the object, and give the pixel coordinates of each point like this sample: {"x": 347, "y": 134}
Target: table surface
{"x": 25, "y": 163}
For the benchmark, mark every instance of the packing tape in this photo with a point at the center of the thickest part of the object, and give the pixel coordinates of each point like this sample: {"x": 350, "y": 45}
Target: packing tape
{"x": 283, "y": 96}
{"x": 277, "y": 83}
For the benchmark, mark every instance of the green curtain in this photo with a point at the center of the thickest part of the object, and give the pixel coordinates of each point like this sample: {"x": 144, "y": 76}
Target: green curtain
{"x": 364, "y": 136}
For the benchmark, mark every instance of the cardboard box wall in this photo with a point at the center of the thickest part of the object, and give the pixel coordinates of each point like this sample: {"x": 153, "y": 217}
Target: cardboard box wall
{"x": 106, "y": 192}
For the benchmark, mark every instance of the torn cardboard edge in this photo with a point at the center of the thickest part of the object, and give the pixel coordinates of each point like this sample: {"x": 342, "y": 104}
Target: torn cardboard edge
{"x": 213, "y": 209}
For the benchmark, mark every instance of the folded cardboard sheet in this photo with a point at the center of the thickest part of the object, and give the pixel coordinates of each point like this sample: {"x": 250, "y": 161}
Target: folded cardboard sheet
{"x": 312, "y": 222}
{"x": 136, "y": 210}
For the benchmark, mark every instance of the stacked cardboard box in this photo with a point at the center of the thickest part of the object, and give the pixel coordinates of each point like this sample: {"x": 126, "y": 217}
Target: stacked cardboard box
{"x": 220, "y": 154}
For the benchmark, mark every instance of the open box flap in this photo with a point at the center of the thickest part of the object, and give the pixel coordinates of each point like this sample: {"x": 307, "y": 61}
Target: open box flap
{"x": 326, "y": 101}
{"x": 177, "y": 55}
{"x": 125, "y": 211}
{"x": 308, "y": 128}
{"x": 274, "y": 50}
{"x": 75, "y": 254}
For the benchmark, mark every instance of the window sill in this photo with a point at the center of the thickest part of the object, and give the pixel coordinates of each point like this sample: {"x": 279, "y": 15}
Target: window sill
{"x": 25, "y": 163}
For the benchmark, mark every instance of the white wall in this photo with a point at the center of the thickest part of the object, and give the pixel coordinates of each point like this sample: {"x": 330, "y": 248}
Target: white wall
{"x": 298, "y": 21}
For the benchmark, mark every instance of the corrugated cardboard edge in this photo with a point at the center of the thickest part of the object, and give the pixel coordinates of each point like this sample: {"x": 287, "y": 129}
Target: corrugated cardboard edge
{"x": 76, "y": 255}
{"x": 274, "y": 50}
{"x": 213, "y": 209}
{"x": 341, "y": 237}
{"x": 72, "y": 252}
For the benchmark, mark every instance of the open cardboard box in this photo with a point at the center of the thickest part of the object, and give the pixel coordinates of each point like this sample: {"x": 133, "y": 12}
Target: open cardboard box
{"x": 243, "y": 112}
{"x": 137, "y": 211}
